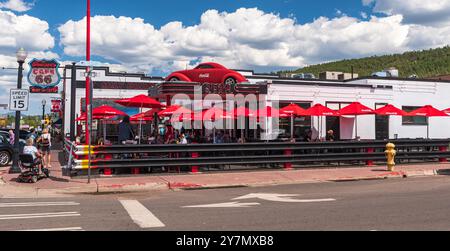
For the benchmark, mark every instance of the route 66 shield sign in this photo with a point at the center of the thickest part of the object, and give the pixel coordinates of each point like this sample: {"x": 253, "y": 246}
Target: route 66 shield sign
{"x": 44, "y": 73}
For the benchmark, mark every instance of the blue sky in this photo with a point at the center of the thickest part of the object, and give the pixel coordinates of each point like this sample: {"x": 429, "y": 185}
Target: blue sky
{"x": 159, "y": 13}
{"x": 158, "y": 37}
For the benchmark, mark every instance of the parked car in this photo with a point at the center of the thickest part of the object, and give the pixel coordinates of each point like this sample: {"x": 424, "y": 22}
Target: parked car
{"x": 6, "y": 150}
{"x": 208, "y": 73}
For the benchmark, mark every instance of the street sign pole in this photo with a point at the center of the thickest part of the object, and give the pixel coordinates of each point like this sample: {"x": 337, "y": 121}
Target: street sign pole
{"x": 15, "y": 165}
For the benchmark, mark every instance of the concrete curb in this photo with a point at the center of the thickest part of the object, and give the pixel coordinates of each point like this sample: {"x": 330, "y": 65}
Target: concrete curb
{"x": 95, "y": 188}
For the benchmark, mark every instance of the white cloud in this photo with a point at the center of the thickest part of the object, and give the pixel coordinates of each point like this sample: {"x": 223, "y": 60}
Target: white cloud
{"x": 16, "y": 5}
{"x": 246, "y": 38}
{"x": 23, "y": 31}
{"x": 414, "y": 11}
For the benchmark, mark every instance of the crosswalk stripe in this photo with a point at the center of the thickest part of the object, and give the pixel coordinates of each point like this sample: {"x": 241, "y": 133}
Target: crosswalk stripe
{"x": 141, "y": 215}
{"x": 38, "y": 215}
{"x": 38, "y": 204}
{"x": 54, "y": 229}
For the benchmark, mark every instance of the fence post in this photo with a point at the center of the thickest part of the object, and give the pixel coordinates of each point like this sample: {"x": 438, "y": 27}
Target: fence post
{"x": 443, "y": 149}
{"x": 288, "y": 166}
{"x": 194, "y": 169}
{"x": 370, "y": 162}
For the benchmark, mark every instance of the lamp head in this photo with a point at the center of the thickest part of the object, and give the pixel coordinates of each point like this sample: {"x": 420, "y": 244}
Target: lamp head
{"x": 21, "y": 55}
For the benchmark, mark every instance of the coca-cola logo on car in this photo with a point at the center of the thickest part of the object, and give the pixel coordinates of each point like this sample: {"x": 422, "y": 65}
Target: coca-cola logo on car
{"x": 44, "y": 73}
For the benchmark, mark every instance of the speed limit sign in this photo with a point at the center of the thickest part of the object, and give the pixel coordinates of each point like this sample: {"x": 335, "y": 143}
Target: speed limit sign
{"x": 18, "y": 100}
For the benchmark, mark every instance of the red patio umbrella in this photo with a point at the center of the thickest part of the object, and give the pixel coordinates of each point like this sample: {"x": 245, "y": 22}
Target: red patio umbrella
{"x": 293, "y": 110}
{"x": 428, "y": 111}
{"x": 174, "y": 109}
{"x": 270, "y": 112}
{"x": 447, "y": 110}
{"x": 244, "y": 112}
{"x": 145, "y": 116}
{"x": 140, "y": 101}
{"x": 319, "y": 111}
{"x": 390, "y": 110}
{"x": 356, "y": 109}
{"x": 106, "y": 110}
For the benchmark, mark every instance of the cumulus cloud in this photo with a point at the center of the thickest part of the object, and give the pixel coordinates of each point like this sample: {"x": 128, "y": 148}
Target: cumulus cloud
{"x": 414, "y": 11}
{"x": 16, "y": 5}
{"x": 246, "y": 38}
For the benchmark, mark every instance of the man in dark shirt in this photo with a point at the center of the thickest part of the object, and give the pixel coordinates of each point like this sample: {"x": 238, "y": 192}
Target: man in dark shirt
{"x": 125, "y": 130}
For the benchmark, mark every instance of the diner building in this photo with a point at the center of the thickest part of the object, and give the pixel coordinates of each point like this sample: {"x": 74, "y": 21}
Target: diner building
{"x": 374, "y": 92}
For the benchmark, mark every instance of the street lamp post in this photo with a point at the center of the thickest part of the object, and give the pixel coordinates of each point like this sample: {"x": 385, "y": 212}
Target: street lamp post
{"x": 21, "y": 57}
{"x": 43, "y": 113}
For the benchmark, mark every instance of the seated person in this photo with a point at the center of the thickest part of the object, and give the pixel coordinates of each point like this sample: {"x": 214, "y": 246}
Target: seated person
{"x": 33, "y": 151}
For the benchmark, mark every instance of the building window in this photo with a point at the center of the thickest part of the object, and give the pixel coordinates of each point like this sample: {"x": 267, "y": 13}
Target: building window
{"x": 416, "y": 120}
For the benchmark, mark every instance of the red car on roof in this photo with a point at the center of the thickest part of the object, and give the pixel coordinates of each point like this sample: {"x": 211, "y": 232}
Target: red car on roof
{"x": 208, "y": 73}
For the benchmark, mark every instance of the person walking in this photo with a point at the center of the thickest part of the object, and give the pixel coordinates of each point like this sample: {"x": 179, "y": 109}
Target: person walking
{"x": 45, "y": 144}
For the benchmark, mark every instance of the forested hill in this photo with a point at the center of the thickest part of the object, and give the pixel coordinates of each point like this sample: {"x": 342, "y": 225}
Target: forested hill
{"x": 426, "y": 63}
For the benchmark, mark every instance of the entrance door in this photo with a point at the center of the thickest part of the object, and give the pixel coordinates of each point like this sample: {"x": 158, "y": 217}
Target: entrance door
{"x": 381, "y": 125}
{"x": 334, "y": 123}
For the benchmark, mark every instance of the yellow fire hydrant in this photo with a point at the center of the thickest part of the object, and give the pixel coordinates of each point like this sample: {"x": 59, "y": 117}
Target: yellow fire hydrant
{"x": 390, "y": 155}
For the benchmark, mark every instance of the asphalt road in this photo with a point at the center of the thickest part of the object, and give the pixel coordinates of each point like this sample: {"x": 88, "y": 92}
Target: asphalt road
{"x": 397, "y": 204}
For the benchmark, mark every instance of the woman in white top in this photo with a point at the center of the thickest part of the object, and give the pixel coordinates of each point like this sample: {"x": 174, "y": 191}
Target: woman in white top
{"x": 45, "y": 143}
{"x": 32, "y": 150}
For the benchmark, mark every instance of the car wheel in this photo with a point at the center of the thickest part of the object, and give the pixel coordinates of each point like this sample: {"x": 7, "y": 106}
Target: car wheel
{"x": 174, "y": 79}
{"x": 5, "y": 158}
{"x": 230, "y": 81}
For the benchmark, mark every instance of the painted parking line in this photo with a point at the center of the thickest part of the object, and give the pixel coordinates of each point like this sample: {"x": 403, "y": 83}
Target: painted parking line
{"x": 141, "y": 215}
{"x": 38, "y": 204}
{"x": 38, "y": 215}
{"x": 53, "y": 229}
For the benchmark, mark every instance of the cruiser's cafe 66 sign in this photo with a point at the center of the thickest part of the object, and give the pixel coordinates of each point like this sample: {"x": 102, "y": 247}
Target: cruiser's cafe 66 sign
{"x": 44, "y": 76}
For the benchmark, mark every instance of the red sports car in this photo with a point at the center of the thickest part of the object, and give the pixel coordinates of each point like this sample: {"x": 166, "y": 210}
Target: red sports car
{"x": 208, "y": 73}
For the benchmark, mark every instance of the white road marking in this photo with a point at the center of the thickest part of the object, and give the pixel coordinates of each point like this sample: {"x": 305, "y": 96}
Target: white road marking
{"x": 281, "y": 198}
{"x": 53, "y": 229}
{"x": 225, "y": 205}
{"x": 38, "y": 215}
{"x": 38, "y": 204}
{"x": 141, "y": 215}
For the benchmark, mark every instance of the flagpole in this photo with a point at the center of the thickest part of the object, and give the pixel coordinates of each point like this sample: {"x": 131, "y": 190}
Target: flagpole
{"x": 88, "y": 86}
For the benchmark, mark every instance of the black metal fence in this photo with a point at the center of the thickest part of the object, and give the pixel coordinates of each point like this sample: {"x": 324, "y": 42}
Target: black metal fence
{"x": 147, "y": 158}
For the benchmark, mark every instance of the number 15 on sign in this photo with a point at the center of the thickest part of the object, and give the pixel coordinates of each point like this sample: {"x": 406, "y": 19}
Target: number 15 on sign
{"x": 18, "y": 100}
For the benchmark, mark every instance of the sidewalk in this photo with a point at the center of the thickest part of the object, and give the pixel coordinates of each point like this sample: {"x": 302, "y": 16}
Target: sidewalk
{"x": 58, "y": 184}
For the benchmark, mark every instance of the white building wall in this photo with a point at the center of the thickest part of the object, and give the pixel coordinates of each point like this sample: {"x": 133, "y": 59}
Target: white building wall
{"x": 419, "y": 93}
{"x": 323, "y": 94}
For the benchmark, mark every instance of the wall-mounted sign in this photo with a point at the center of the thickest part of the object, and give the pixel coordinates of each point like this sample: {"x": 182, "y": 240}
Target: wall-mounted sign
{"x": 44, "y": 74}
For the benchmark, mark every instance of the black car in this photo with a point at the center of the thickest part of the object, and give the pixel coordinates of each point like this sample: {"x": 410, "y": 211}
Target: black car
{"x": 6, "y": 150}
